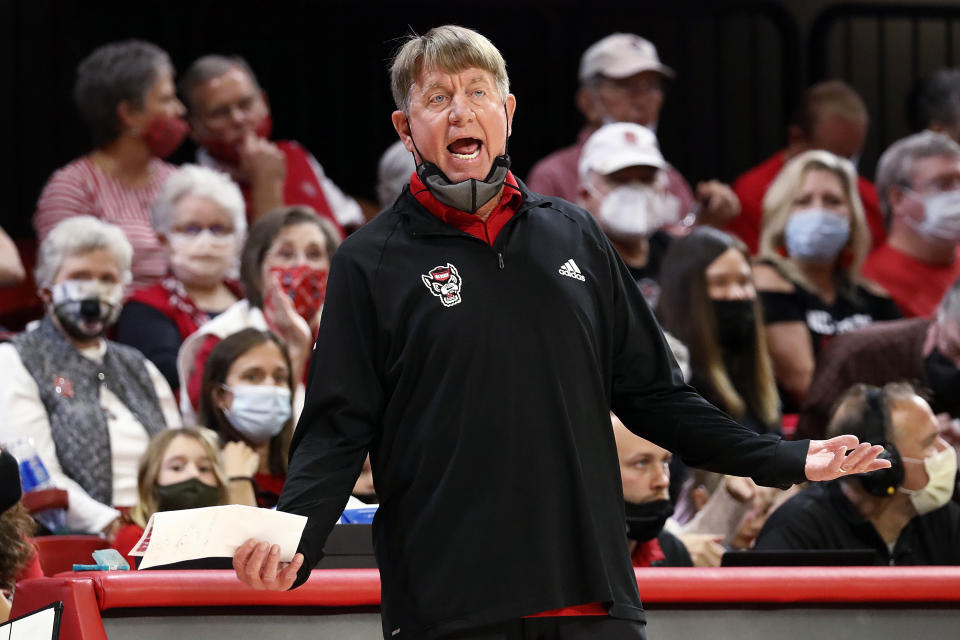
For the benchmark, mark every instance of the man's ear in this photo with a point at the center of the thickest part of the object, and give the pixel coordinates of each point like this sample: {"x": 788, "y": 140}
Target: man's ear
{"x": 511, "y": 107}
{"x": 402, "y": 127}
{"x": 795, "y": 137}
{"x": 586, "y": 100}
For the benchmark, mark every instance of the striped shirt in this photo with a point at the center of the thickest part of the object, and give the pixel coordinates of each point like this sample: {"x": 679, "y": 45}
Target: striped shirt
{"x": 82, "y": 188}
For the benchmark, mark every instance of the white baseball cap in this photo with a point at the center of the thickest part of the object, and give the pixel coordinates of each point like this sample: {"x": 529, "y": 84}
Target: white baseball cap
{"x": 620, "y": 145}
{"x": 620, "y": 55}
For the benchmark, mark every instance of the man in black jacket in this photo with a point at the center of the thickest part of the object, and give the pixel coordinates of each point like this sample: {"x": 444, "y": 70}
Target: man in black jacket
{"x": 475, "y": 338}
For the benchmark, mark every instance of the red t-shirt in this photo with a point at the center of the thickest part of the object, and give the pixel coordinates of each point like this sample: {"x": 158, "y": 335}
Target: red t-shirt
{"x": 752, "y": 186}
{"x": 915, "y": 286}
{"x": 124, "y": 541}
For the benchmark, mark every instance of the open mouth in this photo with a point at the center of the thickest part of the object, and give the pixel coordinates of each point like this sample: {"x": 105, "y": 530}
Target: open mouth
{"x": 465, "y": 148}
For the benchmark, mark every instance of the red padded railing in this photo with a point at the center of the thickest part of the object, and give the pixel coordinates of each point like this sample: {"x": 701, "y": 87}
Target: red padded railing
{"x": 86, "y": 595}
{"x": 799, "y": 584}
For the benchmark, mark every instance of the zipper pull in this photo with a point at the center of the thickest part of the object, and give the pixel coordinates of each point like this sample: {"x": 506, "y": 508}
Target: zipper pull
{"x": 500, "y": 258}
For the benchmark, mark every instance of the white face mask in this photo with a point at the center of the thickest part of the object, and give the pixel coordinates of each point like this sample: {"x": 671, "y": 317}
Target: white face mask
{"x": 636, "y": 210}
{"x": 202, "y": 258}
{"x": 258, "y": 411}
{"x": 942, "y": 470}
{"x": 941, "y": 217}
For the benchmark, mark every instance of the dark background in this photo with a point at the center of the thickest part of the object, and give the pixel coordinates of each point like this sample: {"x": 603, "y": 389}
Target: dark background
{"x": 740, "y": 67}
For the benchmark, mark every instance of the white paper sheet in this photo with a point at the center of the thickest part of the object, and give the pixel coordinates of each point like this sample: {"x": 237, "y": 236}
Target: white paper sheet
{"x": 36, "y": 626}
{"x": 215, "y": 532}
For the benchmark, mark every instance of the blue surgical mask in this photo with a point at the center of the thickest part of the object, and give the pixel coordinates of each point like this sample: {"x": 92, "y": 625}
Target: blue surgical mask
{"x": 816, "y": 235}
{"x": 258, "y": 411}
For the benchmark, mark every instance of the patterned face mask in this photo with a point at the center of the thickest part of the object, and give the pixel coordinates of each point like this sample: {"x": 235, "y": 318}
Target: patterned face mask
{"x": 86, "y": 308}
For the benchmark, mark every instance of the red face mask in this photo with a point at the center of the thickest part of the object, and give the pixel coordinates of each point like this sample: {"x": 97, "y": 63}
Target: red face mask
{"x": 164, "y": 135}
{"x": 229, "y": 152}
{"x": 306, "y": 286}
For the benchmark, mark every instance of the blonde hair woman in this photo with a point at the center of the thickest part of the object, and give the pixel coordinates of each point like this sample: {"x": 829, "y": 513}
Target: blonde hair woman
{"x": 182, "y": 469}
{"x": 813, "y": 241}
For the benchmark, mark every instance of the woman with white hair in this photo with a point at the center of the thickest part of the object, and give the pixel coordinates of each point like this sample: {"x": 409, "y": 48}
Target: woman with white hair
{"x": 813, "y": 242}
{"x": 89, "y": 404}
{"x": 200, "y": 218}
{"x": 125, "y": 95}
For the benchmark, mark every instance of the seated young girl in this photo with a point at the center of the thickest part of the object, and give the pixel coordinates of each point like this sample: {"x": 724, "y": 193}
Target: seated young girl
{"x": 247, "y": 397}
{"x": 182, "y": 470}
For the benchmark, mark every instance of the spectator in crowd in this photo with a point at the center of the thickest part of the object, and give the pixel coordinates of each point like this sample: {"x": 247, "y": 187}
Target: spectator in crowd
{"x": 813, "y": 242}
{"x": 393, "y": 173}
{"x": 182, "y": 469}
{"x": 18, "y": 559}
{"x": 938, "y": 103}
{"x": 90, "y": 404}
{"x": 247, "y": 397}
{"x": 231, "y": 124}
{"x": 623, "y": 183}
{"x": 284, "y": 267}
{"x": 924, "y": 351}
{"x": 11, "y": 268}
{"x": 711, "y": 305}
{"x": 126, "y": 97}
{"x": 621, "y": 80}
{"x": 645, "y": 474}
{"x": 903, "y": 513}
{"x": 363, "y": 489}
{"x": 832, "y": 117}
{"x": 918, "y": 178}
{"x": 199, "y": 216}
{"x": 728, "y": 509}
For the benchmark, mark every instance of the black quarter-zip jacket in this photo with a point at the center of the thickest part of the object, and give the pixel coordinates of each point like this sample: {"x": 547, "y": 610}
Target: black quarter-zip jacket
{"x": 480, "y": 378}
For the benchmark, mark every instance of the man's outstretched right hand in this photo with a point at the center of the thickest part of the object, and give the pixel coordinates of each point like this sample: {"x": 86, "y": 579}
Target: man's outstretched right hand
{"x": 257, "y": 564}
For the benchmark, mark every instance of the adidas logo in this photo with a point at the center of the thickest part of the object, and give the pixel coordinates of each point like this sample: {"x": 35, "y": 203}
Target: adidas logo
{"x": 571, "y": 270}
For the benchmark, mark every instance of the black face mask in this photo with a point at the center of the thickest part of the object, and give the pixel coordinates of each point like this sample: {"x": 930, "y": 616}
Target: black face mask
{"x": 943, "y": 378}
{"x": 189, "y": 494}
{"x": 645, "y": 521}
{"x": 10, "y": 490}
{"x": 736, "y": 325}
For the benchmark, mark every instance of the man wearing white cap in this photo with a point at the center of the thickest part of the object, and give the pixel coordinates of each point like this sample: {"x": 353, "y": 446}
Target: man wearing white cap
{"x": 621, "y": 81}
{"x": 623, "y": 183}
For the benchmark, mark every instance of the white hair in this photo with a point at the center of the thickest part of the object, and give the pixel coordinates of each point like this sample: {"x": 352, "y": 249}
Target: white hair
{"x": 79, "y": 235}
{"x": 194, "y": 180}
{"x": 393, "y": 173}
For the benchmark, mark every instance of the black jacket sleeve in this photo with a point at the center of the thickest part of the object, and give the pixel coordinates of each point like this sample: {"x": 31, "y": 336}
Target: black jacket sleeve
{"x": 341, "y": 412}
{"x": 652, "y": 400}
{"x": 154, "y": 334}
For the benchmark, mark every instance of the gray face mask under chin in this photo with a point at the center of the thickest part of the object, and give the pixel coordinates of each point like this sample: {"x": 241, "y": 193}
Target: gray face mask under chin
{"x": 467, "y": 195}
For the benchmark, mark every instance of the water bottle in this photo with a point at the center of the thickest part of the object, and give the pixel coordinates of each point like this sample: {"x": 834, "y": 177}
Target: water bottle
{"x": 34, "y": 475}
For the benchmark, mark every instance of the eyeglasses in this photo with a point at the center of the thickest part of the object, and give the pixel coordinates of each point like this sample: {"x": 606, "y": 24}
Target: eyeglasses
{"x": 218, "y": 230}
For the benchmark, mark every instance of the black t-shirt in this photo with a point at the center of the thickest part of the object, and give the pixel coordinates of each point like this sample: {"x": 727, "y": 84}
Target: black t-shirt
{"x": 848, "y": 312}
{"x": 674, "y": 552}
{"x": 821, "y": 518}
{"x": 648, "y": 276}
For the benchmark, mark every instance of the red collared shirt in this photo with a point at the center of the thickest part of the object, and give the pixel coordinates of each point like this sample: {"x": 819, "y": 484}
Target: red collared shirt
{"x": 473, "y": 224}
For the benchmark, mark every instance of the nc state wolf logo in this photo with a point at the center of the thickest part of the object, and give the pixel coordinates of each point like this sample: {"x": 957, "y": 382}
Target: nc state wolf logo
{"x": 444, "y": 282}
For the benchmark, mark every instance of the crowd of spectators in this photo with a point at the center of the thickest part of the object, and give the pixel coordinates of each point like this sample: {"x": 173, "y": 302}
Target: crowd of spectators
{"x": 182, "y": 304}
